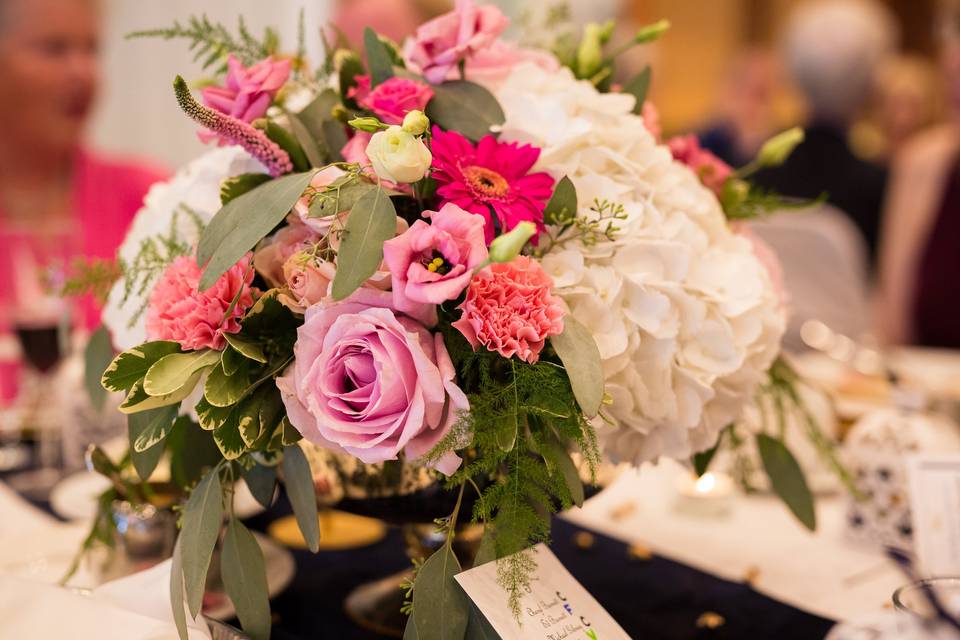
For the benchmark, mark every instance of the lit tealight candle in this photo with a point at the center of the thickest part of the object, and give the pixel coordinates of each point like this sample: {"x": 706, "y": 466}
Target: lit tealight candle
{"x": 709, "y": 495}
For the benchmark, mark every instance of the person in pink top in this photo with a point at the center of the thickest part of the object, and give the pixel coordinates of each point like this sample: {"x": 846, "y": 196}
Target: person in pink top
{"x": 58, "y": 199}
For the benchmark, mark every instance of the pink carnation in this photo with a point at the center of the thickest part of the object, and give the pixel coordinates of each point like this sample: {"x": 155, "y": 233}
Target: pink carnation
{"x": 248, "y": 91}
{"x": 509, "y": 309}
{"x": 371, "y": 382}
{"x": 433, "y": 263}
{"x": 440, "y": 44}
{"x": 711, "y": 170}
{"x": 392, "y": 99}
{"x": 196, "y": 319}
{"x": 491, "y": 179}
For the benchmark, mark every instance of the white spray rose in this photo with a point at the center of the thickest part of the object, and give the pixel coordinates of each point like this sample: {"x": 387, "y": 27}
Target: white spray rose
{"x": 398, "y": 156}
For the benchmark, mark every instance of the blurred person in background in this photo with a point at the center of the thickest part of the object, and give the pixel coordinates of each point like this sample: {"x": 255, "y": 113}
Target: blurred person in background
{"x": 908, "y": 98}
{"x": 832, "y": 49}
{"x": 746, "y": 108}
{"x": 58, "y": 199}
{"x": 919, "y": 296}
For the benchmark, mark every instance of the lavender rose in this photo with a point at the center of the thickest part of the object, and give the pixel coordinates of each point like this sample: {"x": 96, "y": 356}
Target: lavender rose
{"x": 371, "y": 382}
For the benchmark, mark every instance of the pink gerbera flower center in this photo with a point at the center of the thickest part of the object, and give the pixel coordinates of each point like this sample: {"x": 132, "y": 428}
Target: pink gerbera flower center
{"x": 485, "y": 183}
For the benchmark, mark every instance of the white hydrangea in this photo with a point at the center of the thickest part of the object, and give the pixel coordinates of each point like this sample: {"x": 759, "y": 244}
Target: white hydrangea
{"x": 685, "y": 316}
{"x": 196, "y": 186}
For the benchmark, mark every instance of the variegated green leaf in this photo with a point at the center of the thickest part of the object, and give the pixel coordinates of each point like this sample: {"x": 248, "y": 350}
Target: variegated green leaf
{"x": 130, "y": 366}
{"x": 138, "y": 400}
{"x": 246, "y": 346}
{"x": 170, "y": 373}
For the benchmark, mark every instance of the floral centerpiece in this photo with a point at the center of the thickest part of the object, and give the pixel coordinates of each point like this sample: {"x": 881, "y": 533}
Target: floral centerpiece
{"x": 458, "y": 253}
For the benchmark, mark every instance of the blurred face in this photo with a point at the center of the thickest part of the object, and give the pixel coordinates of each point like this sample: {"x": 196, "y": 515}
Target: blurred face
{"x": 48, "y": 70}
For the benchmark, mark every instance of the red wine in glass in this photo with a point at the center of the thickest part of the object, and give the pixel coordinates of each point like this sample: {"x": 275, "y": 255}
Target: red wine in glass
{"x": 41, "y": 345}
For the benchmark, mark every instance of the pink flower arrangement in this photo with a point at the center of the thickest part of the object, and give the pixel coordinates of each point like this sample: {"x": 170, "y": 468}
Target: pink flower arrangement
{"x": 177, "y": 310}
{"x": 433, "y": 263}
{"x": 324, "y": 178}
{"x": 510, "y": 309}
{"x": 248, "y": 91}
{"x": 391, "y": 99}
{"x": 491, "y": 176}
{"x": 371, "y": 382}
{"x": 440, "y": 44}
{"x": 307, "y": 281}
{"x": 269, "y": 259}
{"x": 711, "y": 170}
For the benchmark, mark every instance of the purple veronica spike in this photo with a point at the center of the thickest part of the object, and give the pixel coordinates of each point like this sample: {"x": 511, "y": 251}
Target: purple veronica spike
{"x": 254, "y": 141}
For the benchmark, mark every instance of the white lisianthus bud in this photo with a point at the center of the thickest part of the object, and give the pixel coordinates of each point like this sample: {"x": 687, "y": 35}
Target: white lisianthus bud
{"x": 416, "y": 122}
{"x": 398, "y": 156}
{"x": 368, "y": 124}
{"x": 778, "y": 148}
{"x": 506, "y": 247}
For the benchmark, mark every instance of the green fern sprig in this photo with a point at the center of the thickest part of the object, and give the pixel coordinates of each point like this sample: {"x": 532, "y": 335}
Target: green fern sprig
{"x": 212, "y": 42}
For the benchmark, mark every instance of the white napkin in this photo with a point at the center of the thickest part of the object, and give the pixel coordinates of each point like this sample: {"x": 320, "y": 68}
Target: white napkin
{"x": 132, "y": 608}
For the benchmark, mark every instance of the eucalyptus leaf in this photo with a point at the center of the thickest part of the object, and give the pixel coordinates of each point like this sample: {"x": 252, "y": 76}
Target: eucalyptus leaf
{"x": 244, "y": 221}
{"x": 262, "y": 482}
{"x": 161, "y": 423}
{"x": 702, "y": 460}
{"x": 318, "y": 114}
{"x": 139, "y": 423}
{"x": 410, "y": 630}
{"x": 235, "y": 186}
{"x": 638, "y": 86}
{"x": 222, "y": 390}
{"x": 339, "y": 198}
{"x": 192, "y": 452}
{"x": 202, "y": 519}
{"x": 487, "y": 552}
{"x": 245, "y": 580}
{"x": 372, "y": 221}
{"x": 138, "y": 400}
{"x": 351, "y": 66}
{"x": 378, "y": 58}
{"x": 249, "y": 348}
{"x": 290, "y": 143}
{"x": 562, "y": 207}
{"x": 465, "y": 107}
{"x": 97, "y": 356}
{"x": 129, "y": 367}
{"x": 786, "y": 479}
{"x": 478, "y": 628}
{"x": 315, "y": 155}
{"x": 581, "y": 358}
{"x": 299, "y": 483}
{"x": 440, "y": 608}
{"x": 170, "y": 373}
{"x": 176, "y": 591}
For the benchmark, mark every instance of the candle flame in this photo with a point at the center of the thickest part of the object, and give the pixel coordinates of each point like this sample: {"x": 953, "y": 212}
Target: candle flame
{"x": 706, "y": 483}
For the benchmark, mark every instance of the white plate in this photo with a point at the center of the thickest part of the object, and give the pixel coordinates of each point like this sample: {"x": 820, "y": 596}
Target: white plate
{"x": 280, "y": 571}
{"x": 75, "y": 497}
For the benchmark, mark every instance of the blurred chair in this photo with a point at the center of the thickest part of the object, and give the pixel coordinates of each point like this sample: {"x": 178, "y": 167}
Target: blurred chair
{"x": 824, "y": 262}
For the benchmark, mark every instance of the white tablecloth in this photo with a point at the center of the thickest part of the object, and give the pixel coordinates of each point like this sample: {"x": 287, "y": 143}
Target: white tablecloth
{"x": 817, "y": 572}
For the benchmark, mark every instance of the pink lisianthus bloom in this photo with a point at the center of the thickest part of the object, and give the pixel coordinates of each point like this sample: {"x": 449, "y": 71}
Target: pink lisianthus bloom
{"x": 270, "y": 257}
{"x": 491, "y": 176}
{"x": 177, "y": 310}
{"x": 440, "y": 44}
{"x": 711, "y": 170}
{"x": 510, "y": 309}
{"x": 391, "y": 99}
{"x": 248, "y": 91}
{"x": 494, "y": 63}
{"x": 433, "y": 263}
{"x": 371, "y": 382}
{"x": 324, "y": 178}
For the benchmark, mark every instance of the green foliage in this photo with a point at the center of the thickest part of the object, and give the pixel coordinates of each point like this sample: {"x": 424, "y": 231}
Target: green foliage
{"x": 378, "y": 57}
{"x": 211, "y": 41}
{"x": 562, "y": 207}
{"x": 638, "y": 87}
{"x": 372, "y": 221}
{"x": 299, "y": 483}
{"x": 786, "y": 479}
{"x": 97, "y": 356}
{"x": 465, "y": 107}
{"x": 741, "y": 200}
{"x": 245, "y": 579}
{"x": 236, "y": 186}
{"x": 93, "y": 276}
{"x": 602, "y": 224}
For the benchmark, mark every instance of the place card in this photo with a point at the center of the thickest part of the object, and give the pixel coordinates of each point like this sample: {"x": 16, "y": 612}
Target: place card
{"x": 935, "y": 506}
{"x": 555, "y": 607}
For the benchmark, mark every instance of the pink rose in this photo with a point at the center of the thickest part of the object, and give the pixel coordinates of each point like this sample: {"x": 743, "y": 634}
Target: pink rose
{"x": 324, "y": 178}
{"x": 372, "y": 383}
{"x": 308, "y": 281}
{"x": 494, "y": 63}
{"x": 440, "y": 44}
{"x": 270, "y": 257}
{"x": 178, "y": 311}
{"x": 248, "y": 91}
{"x": 391, "y": 99}
{"x": 711, "y": 170}
{"x": 509, "y": 309}
{"x": 432, "y": 263}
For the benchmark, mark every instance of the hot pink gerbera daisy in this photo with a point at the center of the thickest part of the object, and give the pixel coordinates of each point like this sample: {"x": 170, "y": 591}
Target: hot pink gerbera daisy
{"x": 490, "y": 179}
